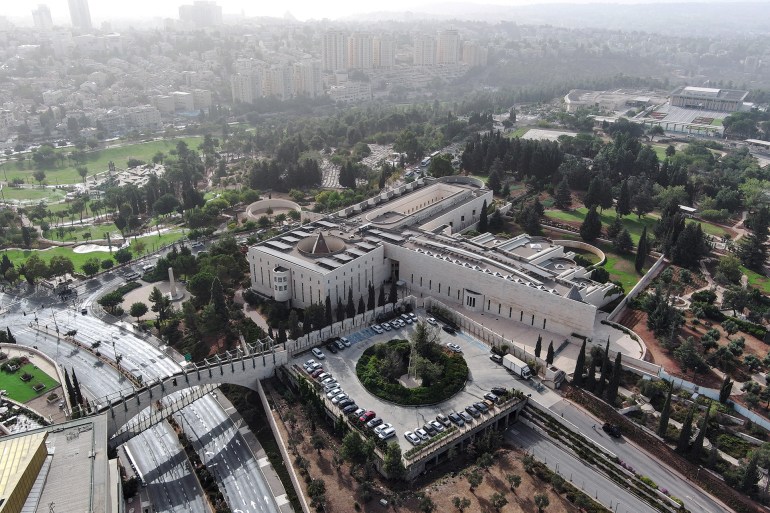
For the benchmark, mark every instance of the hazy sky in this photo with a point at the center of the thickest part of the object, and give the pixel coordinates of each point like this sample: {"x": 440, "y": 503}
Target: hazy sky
{"x": 302, "y": 9}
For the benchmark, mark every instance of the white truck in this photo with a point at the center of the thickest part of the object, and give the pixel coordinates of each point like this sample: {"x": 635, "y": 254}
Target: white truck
{"x": 516, "y": 366}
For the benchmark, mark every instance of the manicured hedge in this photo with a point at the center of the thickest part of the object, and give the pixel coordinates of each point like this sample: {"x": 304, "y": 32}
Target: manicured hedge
{"x": 370, "y": 373}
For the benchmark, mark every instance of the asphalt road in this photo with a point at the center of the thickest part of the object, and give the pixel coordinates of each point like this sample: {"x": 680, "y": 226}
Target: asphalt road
{"x": 171, "y": 483}
{"x": 694, "y": 498}
{"x": 572, "y": 469}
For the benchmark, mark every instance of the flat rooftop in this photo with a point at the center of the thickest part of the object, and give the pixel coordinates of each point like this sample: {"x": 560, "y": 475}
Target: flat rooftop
{"x": 710, "y": 92}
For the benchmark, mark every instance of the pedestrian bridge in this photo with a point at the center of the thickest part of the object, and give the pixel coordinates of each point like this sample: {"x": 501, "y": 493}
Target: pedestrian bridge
{"x": 134, "y": 411}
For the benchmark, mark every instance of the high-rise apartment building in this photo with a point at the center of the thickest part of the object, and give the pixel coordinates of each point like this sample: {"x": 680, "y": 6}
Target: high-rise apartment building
{"x": 202, "y": 13}
{"x": 80, "y": 14}
{"x": 424, "y": 51}
{"x": 307, "y": 79}
{"x": 334, "y": 51}
{"x": 360, "y": 51}
{"x": 383, "y": 52}
{"x": 448, "y": 47}
{"x": 42, "y": 17}
{"x": 474, "y": 54}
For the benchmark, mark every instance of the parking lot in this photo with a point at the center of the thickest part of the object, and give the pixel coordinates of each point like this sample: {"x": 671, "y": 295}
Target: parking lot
{"x": 483, "y": 376}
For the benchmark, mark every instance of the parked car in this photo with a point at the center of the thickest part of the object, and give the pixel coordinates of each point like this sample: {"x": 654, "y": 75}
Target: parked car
{"x": 345, "y": 341}
{"x": 496, "y": 358}
{"x": 422, "y": 434}
{"x": 345, "y": 403}
{"x": 454, "y": 348}
{"x": 481, "y": 407}
{"x": 499, "y": 391}
{"x": 428, "y": 428}
{"x": 473, "y": 412}
{"x": 438, "y": 426}
{"x": 467, "y": 418}
{"x": 492, "y": 397}
{"x": 331, "y": 347}
{"x": 413, "y": 316}
{"x": 376, "y": 421}
{"x": 367, "y": 416}
{"x": 313, "y": 367}
{"x": 377, "y": 329}
{"x": 339, "y": 344}
{"x": 308, "y": 364}
{"x": 321, "y": 375}
{"x": 412, "y": 438}
{"x": 318, "y": 353}
{"x": 379, "y": 428}
{"x": 358, "y": 412}
{"x": 339, "y": 397}
{"x": 457, "y": 419}
{"x": 328, "y": 379}
{"x": 349, "y": 408}
{"x": 331, "y": 386}
{"x": 317, "y": 372}
{"x": 612, "y": 429}
{"x": 331, "y": 393}
{"x": 449, "y": 329}
{"x": 443, "y": 419}
{"x": 386, "y": 326}
{"x": 432, "y": 321}
{"x": 387, "y": 433}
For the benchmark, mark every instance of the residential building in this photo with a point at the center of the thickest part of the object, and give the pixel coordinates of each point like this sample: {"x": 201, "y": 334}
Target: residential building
{"x": 360, "y": 51}
{"x": 183, "y": 101}
{"x": 448, "y": 47}
{"x": 351, "y": 92}
{"x": 307, "y": 79}
{"x": 41, "y": 17}
{"x": 383, "y": 52}
{"x": 80, "y": 14}
{"x": 334, "y": 51}
{"x": 200, "y": 14}
{"x": 474, "y": 54}
{"x": 246, "y": 87}
{"x": 424, "y": 53}
{"x": 202, "y": 99}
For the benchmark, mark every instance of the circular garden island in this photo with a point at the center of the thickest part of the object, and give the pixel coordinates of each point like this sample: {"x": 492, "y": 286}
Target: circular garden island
{"x": 437, "y": 373}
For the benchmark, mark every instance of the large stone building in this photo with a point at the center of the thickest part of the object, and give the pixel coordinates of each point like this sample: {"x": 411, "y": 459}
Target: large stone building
{"x": 409, "y": 235}
{"x": 707, "y": 98}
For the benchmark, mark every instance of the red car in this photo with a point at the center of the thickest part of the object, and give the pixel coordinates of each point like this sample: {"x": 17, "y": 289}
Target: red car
{"x": 366, "y": 417}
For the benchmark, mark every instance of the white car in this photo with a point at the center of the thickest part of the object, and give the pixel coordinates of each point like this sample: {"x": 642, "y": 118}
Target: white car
{"x": 422, "y": 434}
{"x": 386, "y": 326}
{"x": 339, "y": 397}
{"x": 438, "y": 426}
{"x": 377, "y": 329}
{"x": 381, "y": 427}
{"x": 454, "y": 347}
{"x": 413, "y": 439}
{"x": 413, "y": 316}
{"x": 432, "y": 321}
{"x": 328, "y": 380}
{"x": 387, "y": 433}
{"x": 334, "y": 391}
{"x": 318, "y": 353}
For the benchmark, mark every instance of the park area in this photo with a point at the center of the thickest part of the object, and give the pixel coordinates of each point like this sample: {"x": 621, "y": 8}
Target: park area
{"x": 22, "y": 383}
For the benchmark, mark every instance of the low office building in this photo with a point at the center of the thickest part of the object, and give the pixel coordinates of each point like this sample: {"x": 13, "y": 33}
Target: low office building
{"x": 410, "y": 236}
{"x": 708, "y": 98}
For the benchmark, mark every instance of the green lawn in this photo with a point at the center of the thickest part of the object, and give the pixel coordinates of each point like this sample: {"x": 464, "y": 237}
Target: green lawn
{"x": 98, "y": 160}
{"x": 75, "y": 233}
{"x": 22, "y": 392}
{"x": 756, "y": 280}
{"x": 717, "y": 122}
{"x": 518, "y": 132}
{"x": 36, "y": 194}
{"x": 660, "y": 151}
{"x": 633, "y": 224}
{"x": 18, "y": 256}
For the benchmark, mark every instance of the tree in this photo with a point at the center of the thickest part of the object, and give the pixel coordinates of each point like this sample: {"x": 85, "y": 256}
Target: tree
{"x": 562, "y": 195}
{"x": 294, "y": 330}
{"x": 393, "y": 295}
{"x": 494, "y": 182}
{"x": 623, "y": 207}
{"x": 725, "y": 390}
{"x": 76, "y": 388}
{"x": 353, "y": 447}
{"x": 485, "y": 461}
{"x": 514, "y": 481}
{"x": 361, "y": 306}
{"x": 623, "y": 242}
{"x": 688, "y": 356}
{"x": 10, "y": 339}
{"x": 483, "y": 225}
{"x": 350, "y": 307}
{"x": 549, "y": 355}
{"x": 474, "y": 478}
{"x": 752, "y": 251}
{"x": 641, "y": 251}
{"x": 122, "y": 255}
{"x": 541, "y": 501}
{"x": 394, "y": 465}
{"x": 370, "y": 304}
{"x": 138, "y": 309}
{"x": 577, "y": 377}
{"x": 91, "y": 266}
{"x": 592, "y": 197}
{"x": 328, "y": 311}
{"x": 614, "y": 229}
{"x": 665, "y": 413}
{"x": 440, "y": 165}
{"x": 697, "y": 446}
{"x": 498, "y": 500}
{"x": 591, "y": 228}
{"x": 161, "y": 304}
{"x": 459, "y": 502}
{"x": 685, "y": 434}
{"x": 381, "y": 296}
{"x": 604, "y": 370}
{"x": 614, "y": 384}
{"x": 538, "y": 346}
{"x": 70, "y": 389}
{"x": 426, "y": 504}
{"x": 642, "y": 202}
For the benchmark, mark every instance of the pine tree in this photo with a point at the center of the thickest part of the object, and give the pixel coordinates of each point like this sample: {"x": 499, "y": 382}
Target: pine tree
{"x": 538, "y": 346}
{"x": 751, "y": 475}
{"x": 665, "y": 413}
{"x": 549, "y": 355}
{"x": 615, "y": 228}
{"x": 577, "y": 376}
{"x": 641, "y": 252}
{"x": 697, "y": 446}
{"x": 591, "y": 228}
{"x": 562, "y": 196}
{"x": 612, "y": 387}
{"x": 623, "y": 207}
{"x": 752, "y": 251}
{"x": 483, "y": 225}
{"x": 685, "y": 434}
{"x": 725, "y": 390}
{"x": 593, "y": 195}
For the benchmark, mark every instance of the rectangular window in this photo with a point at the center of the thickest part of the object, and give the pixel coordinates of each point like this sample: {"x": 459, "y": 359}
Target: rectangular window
{"x": 544, "y": 323}
{"x": 521, "y": 317}
{"x": 533, "y": 320}
{"x": 439, "y": 288}
{"x": 489, "y": 304}
{"x": 430, "y": 284}
{"x": 498, "y": 309}
{"x": 510, "y": 312}
{"x": 449, "y": 291}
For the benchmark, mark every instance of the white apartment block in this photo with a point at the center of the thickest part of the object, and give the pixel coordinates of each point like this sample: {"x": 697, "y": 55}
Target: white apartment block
{"x": 474, "y": 54}
{"x": 384, "y": 53}
{"x": 351, "y": 92}
{"x": 360, "y": 51}
{"x": 448, "y": 47}
{"x": 144, "y": 117}
{"x": 409, "y": 235}
{"x": 246, "y": 87}
{"x": 307, "y": 79}
{"x": 334, "y": 51}
{"x": 183, "y": 101}
{"x": 424, "y": 53}
{"x": 202, "y": 99}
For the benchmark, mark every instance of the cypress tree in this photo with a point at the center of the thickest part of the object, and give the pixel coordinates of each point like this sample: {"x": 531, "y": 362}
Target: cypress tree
{"x": 393, "y": 296}
{"x": 624, "y": 200}
{"x": 751, "y": 476}
{"x": 483, "y": 225}
{"x": 361, "y": 305}
{"x": 538, "y": 346}
{"x": 725, "y": 390}
{"x": 549, "y": 355}
{"x": 590, "y": 383}
{"x": 697, "y": 446}
{"x": 593, "y": 195}
{"x": 70, "y": 391}
{"x": 577, "y": 376}
{"x": 370, "y": 297}
{"x": 641, "y": 251}
{"x": 612, "y": 388}
{"x": 605, "y": 368}
{"x": 328, "y": 312}
{"x": 381, "y": 296}
{"x": 685, "y": 434}
{"x": 591, "y": 228}
{"x": 752, "y": 251}
{"x": 11, "y": 338}
{"x": 665, "y": 413}
{"x": 562, "y": 196}
{"x": 350, "y": 308}
{"x": 76, "y": 388}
